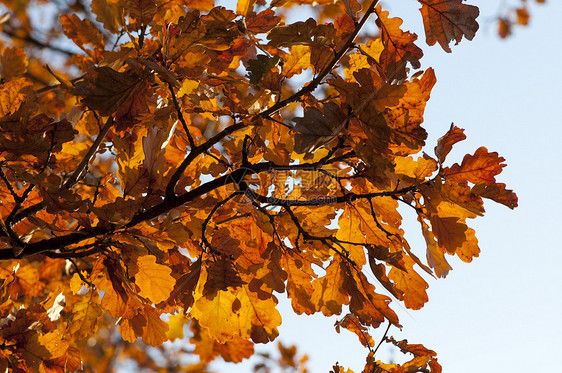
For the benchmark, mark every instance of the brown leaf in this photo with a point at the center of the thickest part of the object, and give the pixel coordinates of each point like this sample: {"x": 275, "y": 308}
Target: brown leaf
{"x": 13, "y": 64}
{"x": 262, "y": 22}
{"x": 318, "y": 127}
{"x": 398, "y": 46}
{"x": 107, "y": 90}
{"x": 446, "y": 142}
{"x": 352, "y": 323}
{"x": 496, "y": 192}
{"x": 448, "y": 20}
{"x": 449, "y": 232}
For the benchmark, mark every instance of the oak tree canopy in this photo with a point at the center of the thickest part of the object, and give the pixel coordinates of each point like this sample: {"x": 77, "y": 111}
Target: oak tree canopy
{"x": 170, "y": 169}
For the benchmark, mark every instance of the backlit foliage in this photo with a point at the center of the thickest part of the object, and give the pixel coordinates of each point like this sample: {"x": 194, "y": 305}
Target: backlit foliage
{"x": 178, "y": 166}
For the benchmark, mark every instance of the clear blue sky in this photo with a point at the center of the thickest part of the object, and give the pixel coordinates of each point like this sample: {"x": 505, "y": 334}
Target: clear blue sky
{"x": 501, "y": 313}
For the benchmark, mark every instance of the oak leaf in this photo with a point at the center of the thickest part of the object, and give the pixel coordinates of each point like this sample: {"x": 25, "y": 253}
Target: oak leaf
{"x": 245, "y": 7}
{"x": 318, "y": 127}
{"x": 13, "y": 64}
{"x": 109, "y": 14}
{"x": 447, "y": 20}
{"x": 496, "y": 192}
{"x": 153, "y": 279}
{"x": 328, "y": 295}
{"x": 85, "y": 314}
{"x": 107, "y": 90}
{"x": 398, "y": 46}
{"x": 262, "y": 22}
{"x": 82, "y": 32}
{"x": 446, "y": 142}
{"x": 352, "y": 323}
{"x": 482, "y": 167}
{"x": 411, "y": 284}
{"x": 297, "y": 60}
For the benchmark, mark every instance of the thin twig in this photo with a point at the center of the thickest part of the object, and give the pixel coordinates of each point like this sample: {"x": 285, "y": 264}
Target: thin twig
{"x": 180, "y": 116}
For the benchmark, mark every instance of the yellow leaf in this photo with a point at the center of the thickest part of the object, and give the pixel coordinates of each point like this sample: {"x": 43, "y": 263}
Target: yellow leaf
{"x": 244, "y": 7}
{"x": 328, "y": 294}
{"x": 237, "y": 312}
{"x": 298, "y": 59}
{"x": 175, "y": 325}
{"x": 75, "y": 283}
{"x": 205, "y": 5}
{"x": 85, "y": 315}
{"x": 154, "y": 279}
{"x": 420, "y": 168}
{"x": 360, "y": 60}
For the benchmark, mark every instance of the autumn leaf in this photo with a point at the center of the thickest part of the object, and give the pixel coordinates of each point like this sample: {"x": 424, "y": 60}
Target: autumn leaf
{"x": 108, "y": 13}
{"x": 262, "y": 22}
{"x": 318, "y": 127}
{"x": 153, "y": 279}
{"x": 483, "y": 166}
{"x": 245, "y": 7}
{"x": 82, "y": 32}
{"x": 85, "y": 315}
{"x": 258, "y": 67}
{"x": 352, "y": 323}
{"x": 13, "y": 64}
{"x": 107, "y": 90}
{"x": 328, "y": 294}
{"x": 237, "y": 313}
{"x": 12, "y": 95}
{"x": 297, "y": 60}
{"x": 448, "y": 20}
{"x": 446, "y": 142}
{"x": 398, "y": 46}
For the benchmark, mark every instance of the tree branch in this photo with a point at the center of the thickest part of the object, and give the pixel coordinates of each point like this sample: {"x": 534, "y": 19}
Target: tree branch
{"x": 318, "y": 79}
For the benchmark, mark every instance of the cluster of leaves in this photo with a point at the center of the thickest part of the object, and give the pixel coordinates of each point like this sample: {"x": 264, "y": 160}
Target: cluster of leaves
{"x": 169, "y": 186}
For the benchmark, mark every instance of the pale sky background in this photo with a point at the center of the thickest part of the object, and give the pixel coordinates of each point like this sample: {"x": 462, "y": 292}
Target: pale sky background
{"x": 500, "y": 313}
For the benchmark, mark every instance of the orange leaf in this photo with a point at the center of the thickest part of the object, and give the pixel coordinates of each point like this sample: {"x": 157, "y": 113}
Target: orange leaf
{"x": 236, "y": 312}
{"x": 85, "y": 314}
{"x": 207, "y": 348}
{"x": 297, "y": 60}
{"x": 496, "y": 192}
{"x": 109, "y": 13}
{"x": 411, "y": 283}
{"x": 435, "y": 254}
{"x": 204, "y": 5}
{"x": 446, "y": 142}
{"x": 13, "y": 64}
{"x": 352, "y": 323}
{"x": 477, "y": 168}
{"x": 447, "y": 20}
{"x": 328, "y": 295}
{"x": 12, "y": 95}
{"x": 398, "y": 45}
{"x": 82, "y": 32}
{"x": 262, "y": 22}
{"x": 154, "y": 279}
{"x": 245, "y": 7}
{"x": 523, "y": 16}
{"x": 155, "y": 332}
